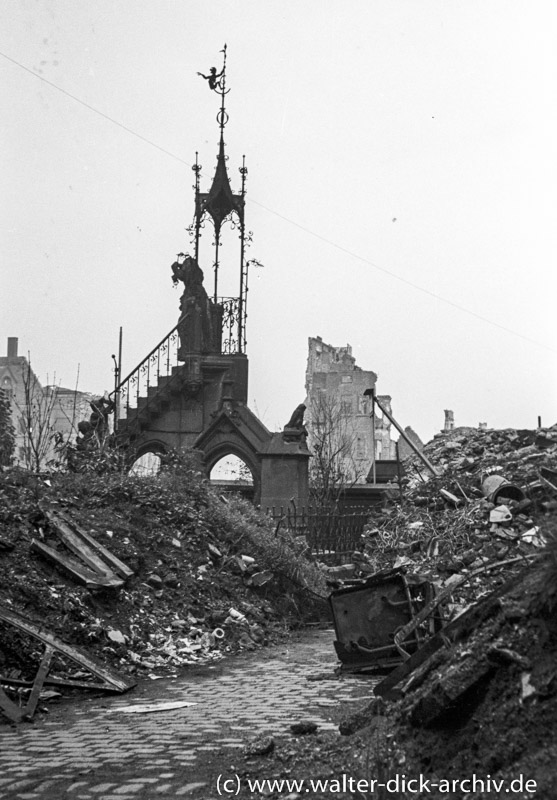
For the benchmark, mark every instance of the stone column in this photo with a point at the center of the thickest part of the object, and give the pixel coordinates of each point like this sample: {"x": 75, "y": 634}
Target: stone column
{"x": 284, "y": 471}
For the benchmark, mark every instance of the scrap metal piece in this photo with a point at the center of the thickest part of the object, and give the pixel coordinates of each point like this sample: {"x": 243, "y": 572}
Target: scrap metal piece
{"x": 495, "y": 487}
{"x": 368, "y": 615}
{"x": 452, "y": 632}
{"x": 427, "y": 610}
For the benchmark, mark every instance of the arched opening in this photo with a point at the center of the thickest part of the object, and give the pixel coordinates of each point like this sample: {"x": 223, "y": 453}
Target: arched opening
{"x": 146, "y": 466}
{"x": 231, "y": 471}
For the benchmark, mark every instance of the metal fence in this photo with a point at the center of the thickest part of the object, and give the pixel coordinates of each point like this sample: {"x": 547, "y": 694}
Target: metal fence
{"x": 331, "y": 535}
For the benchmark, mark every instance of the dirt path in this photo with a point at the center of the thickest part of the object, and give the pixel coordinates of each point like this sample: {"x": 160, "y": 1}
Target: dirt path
{"x": 91, "y": 749}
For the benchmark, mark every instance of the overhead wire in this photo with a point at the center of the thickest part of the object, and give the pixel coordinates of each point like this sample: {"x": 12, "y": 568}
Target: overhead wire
{"x": 292, "y": 222}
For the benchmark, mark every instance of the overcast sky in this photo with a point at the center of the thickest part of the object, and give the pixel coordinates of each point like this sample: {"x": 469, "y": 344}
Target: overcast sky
{"x": 401, "y": 190}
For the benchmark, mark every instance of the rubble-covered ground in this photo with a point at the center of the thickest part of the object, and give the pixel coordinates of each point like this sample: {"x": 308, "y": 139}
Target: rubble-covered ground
{"x": 485, "y": 704}
{"x": 211, "y": 575}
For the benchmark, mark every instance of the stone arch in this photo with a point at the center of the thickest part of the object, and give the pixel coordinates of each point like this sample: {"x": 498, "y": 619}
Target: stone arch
{"x": 250, "y": 458}
{"x": 154, "y": 446}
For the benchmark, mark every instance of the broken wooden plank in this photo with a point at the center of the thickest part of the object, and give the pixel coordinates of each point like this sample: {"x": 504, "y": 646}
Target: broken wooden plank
{"x": 42, "y": 672}
{"x": 110, "y": 678}
{"x": 75, "y": 543}
{"x": 113, "y": 562}
{"x": 61, "y": 682}
{"x": 81, "y": 574}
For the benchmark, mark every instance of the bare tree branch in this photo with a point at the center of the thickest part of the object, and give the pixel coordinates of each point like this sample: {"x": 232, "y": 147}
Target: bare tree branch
{"x": 332, "y": 441}
{"x": 36, "y": 418}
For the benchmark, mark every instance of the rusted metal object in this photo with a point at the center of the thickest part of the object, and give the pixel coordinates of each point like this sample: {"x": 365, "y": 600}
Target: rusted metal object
{"x": 368, "y": 615}
{"x": 495, "y": 487}
{"x": 452, "y": 632}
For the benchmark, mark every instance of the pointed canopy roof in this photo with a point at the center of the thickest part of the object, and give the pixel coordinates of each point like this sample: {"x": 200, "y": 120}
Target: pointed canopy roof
{"x": 220, "y": 200}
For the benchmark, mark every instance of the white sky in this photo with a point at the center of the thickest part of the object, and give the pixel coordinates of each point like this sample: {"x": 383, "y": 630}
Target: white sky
{"x": 390, "y": 145}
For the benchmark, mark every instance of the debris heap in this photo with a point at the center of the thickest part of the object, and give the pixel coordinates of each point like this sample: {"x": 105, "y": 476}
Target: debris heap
{"x": 189, "y": 575}
{"x": 480, "y": 697}
{"x": 454, "y": 524}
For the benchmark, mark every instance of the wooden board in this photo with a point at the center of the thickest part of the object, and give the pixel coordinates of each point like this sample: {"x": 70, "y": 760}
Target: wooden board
{"x": 74, "y": 543}
{"x": 111, "y": 679}
{"x": 62, "y": 682}
{"x": 79, "y": 573}
{"x": 29, "y": 709}
{"x": 114, "y": 563}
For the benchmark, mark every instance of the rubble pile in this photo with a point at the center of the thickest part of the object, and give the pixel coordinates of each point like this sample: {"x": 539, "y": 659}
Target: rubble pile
{"x": 209, "y": 576}
{"x": 453, "y": 525}
{"x": 480, "y": 697}
{"x": 477, "y": 702}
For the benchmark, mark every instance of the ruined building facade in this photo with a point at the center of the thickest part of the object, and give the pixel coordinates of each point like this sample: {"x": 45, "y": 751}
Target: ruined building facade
{"x": 335, "y": 388}
{"x": 52, "y": 411}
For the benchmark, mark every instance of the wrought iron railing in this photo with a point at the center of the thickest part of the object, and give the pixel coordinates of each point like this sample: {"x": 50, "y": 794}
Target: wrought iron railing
{"x": 158, "y": 364}
{"x": 163, "y": 358}
{"x": 230, "y": 324}
{"x": 332, "y": 535}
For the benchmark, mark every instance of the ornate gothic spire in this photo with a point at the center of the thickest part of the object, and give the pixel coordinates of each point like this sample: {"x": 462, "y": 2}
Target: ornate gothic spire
{"x": 221, "y": 204}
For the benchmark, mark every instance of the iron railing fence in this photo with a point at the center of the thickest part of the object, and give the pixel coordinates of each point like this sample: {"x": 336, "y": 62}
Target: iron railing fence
{"x": 145, "y": 380}
{"x": 158, "y": 364}
{"x": 332, "y": 536}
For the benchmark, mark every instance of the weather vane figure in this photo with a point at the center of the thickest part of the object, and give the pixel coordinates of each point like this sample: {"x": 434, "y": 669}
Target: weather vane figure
{"x": 216, "y": 81}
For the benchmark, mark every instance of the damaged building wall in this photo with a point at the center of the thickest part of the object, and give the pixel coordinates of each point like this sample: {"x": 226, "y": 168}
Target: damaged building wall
{"x": 334, "y": 382}
{"x": 67, "y": 406}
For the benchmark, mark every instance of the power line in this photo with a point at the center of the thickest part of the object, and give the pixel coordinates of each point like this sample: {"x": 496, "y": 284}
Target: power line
{"x": 96, "y": 110}
{"x": 308, "y": 231}
{"x": 403, "y": 280}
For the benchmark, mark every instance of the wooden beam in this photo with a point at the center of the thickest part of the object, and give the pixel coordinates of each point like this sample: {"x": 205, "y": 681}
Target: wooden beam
{"x": 114, "y": 563}
{"x": 62, "y": 682}
{"x": 42, "y": 672}
{"x": 109, "y": 677}
{"x": 80, "y": 574}
{"x": 76, "y": 544}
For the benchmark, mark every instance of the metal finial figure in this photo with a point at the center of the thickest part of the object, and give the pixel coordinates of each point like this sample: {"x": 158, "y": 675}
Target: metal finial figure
{"x": 222, "y": 206}
{"x": 213, "y": 78}
{"x": 216, "y": 81}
